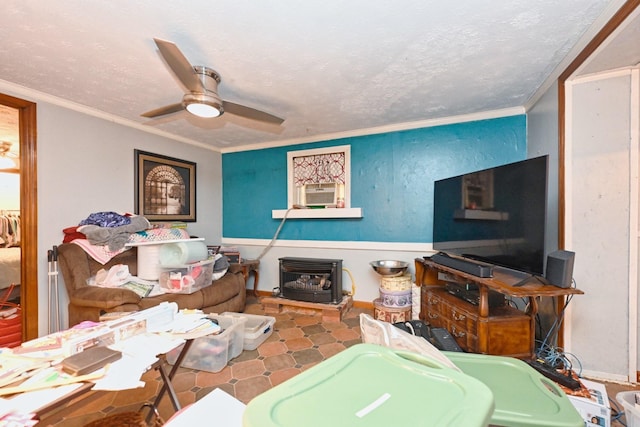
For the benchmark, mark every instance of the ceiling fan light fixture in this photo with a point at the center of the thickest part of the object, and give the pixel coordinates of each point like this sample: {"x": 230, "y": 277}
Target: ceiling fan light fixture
{"x": 201, "y": 83}
{"x": 203, "y": 110}
{"x": 202, "y": 105}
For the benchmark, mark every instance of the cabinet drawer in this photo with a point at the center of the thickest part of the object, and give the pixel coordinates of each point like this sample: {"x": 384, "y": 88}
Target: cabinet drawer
{"x": 463, "y": 319}
{"x": 432, "y": 308}
{"x": 509, "y": 335}
{"x": 464, "y": 338}
{"x": 437, "y": 320}
{"x": 432, "y": 300}
{"x": 460, "y": 313}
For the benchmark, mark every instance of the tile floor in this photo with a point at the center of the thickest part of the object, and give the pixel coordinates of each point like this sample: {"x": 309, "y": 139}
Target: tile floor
{"x": 299, "y": 341}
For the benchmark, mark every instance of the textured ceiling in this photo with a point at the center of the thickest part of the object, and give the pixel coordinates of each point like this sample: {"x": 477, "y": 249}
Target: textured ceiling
{"x": 325, "y": 66}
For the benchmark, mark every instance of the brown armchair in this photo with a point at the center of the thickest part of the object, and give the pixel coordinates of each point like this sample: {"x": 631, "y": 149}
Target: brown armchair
{"x": 89, "y": 302}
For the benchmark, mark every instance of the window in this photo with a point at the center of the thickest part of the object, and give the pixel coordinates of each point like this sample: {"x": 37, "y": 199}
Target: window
{"x": 330, "y": 165}
{"x": 323, "y": 167}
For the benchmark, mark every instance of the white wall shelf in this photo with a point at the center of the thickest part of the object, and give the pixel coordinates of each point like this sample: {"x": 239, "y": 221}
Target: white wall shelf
{"x": 318, "y": 213}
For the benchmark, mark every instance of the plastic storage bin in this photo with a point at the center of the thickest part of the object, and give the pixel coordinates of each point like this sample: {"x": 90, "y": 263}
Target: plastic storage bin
{"x": 256, "y": 329}
{"x": 213, "y": 352}
{"x": 628, "y": 400}
{"x": 373, "y": 386}
{"x": 186, "y": 279}
{"x": 523, "y": 397}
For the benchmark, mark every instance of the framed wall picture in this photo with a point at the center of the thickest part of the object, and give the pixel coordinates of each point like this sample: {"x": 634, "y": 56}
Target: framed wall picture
{"x": 165, "y": 187}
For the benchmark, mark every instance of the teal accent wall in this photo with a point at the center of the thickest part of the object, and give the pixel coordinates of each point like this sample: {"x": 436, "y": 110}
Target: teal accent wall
{"x": 392, "y": 177}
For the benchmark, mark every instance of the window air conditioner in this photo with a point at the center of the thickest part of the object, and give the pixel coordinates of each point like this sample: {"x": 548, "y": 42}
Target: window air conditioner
{"x": 320, "y": 194}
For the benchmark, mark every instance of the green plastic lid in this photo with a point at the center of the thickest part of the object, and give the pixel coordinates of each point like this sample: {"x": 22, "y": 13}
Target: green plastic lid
{"x": 523, "y": 397}
{"x": 370, "y": 385}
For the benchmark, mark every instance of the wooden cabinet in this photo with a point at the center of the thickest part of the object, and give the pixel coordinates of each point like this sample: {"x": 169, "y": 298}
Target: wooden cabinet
{"x": 506, "y": 331}
{"x": 502, "y": 330}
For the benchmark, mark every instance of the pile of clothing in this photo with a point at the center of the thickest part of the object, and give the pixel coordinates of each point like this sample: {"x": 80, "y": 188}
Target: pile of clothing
{"x": 104, "y": 235}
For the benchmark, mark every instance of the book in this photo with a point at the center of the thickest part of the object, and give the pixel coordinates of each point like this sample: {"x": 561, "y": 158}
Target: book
{"x": 89, "y": 360}
{"x": 142, "y": 289}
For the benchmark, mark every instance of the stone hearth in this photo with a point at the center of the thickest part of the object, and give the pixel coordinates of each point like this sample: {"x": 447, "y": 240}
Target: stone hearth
{"x": 330, "y": 312}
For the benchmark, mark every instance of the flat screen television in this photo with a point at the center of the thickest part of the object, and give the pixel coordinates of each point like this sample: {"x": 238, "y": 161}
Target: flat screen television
{"x": 495, "y": 215}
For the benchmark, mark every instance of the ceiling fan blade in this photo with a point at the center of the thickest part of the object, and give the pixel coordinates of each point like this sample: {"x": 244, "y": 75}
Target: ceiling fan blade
{"x": 250, "y": 113}
{"x": 162, "y": 111}
{"x": 179, "y": 65}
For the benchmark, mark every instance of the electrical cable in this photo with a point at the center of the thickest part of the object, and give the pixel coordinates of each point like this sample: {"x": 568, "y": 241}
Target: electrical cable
{"x": 616, "y": 412}
{"x": 353, "y": 282}
{"x": 275, "y": 236}
{"x": 555, "y": 327}
{"x": 556, "y": 356}
{"x": 578, "y": 371}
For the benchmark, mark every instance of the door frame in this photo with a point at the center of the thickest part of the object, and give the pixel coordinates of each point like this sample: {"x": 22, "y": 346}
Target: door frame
{"x": 563, "y": 231}
{"x": 28, "y": 213}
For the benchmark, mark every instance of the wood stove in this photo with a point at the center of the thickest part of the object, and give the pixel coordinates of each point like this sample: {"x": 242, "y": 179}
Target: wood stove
{"x": 311, "y": 279}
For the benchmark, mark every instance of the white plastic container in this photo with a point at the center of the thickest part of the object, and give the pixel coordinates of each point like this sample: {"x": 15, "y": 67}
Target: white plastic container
{"x": 237, "y": 327}
{"x": 213, "y": 352}
{"x": 628, "y": 400}
{"x": 256, "y": 329}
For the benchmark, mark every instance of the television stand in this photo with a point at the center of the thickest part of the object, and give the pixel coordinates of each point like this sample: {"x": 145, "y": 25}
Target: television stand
{"x": 541, "y": 280}
{"x": 525, "y": 278}
{"x": 502, "y": 330}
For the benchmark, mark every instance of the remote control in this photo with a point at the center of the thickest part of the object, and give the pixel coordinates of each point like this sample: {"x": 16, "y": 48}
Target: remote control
{"x": 554, "y": 374}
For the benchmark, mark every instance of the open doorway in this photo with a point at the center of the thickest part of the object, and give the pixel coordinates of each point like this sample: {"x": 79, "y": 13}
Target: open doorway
{"x": 11, "y": 331}
{"x": 27, "y": 211}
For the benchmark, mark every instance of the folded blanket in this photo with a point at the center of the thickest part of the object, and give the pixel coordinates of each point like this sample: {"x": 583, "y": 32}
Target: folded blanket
{"x": 103, "y": 252}
{"x": 100, "y": 253}
{"x": 114, "y": 237}
{"x": 159, "y": 235}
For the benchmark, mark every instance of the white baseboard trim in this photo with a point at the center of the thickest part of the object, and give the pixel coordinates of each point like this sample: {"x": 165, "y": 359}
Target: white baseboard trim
{"x": 606, "y": 376}
{"x": 427, "y": 248}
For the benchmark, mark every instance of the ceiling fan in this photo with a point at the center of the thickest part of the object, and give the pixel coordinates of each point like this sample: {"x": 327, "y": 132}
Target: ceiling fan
{"x": 201, "y": 98}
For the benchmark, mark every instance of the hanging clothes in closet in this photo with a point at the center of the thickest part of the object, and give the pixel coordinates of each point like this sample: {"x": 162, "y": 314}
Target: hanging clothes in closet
{"x": 9, "y": 229}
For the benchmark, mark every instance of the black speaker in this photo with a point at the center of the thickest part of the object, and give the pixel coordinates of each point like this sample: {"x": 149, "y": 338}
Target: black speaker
{"x": 560, "y": 268}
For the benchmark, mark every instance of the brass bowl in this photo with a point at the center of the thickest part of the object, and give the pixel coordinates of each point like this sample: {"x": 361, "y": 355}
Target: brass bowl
{"x": 390, "y": 268}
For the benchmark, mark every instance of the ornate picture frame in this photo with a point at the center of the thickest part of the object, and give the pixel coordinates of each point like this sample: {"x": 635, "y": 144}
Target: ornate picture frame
{"x": 165, "y": 187}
